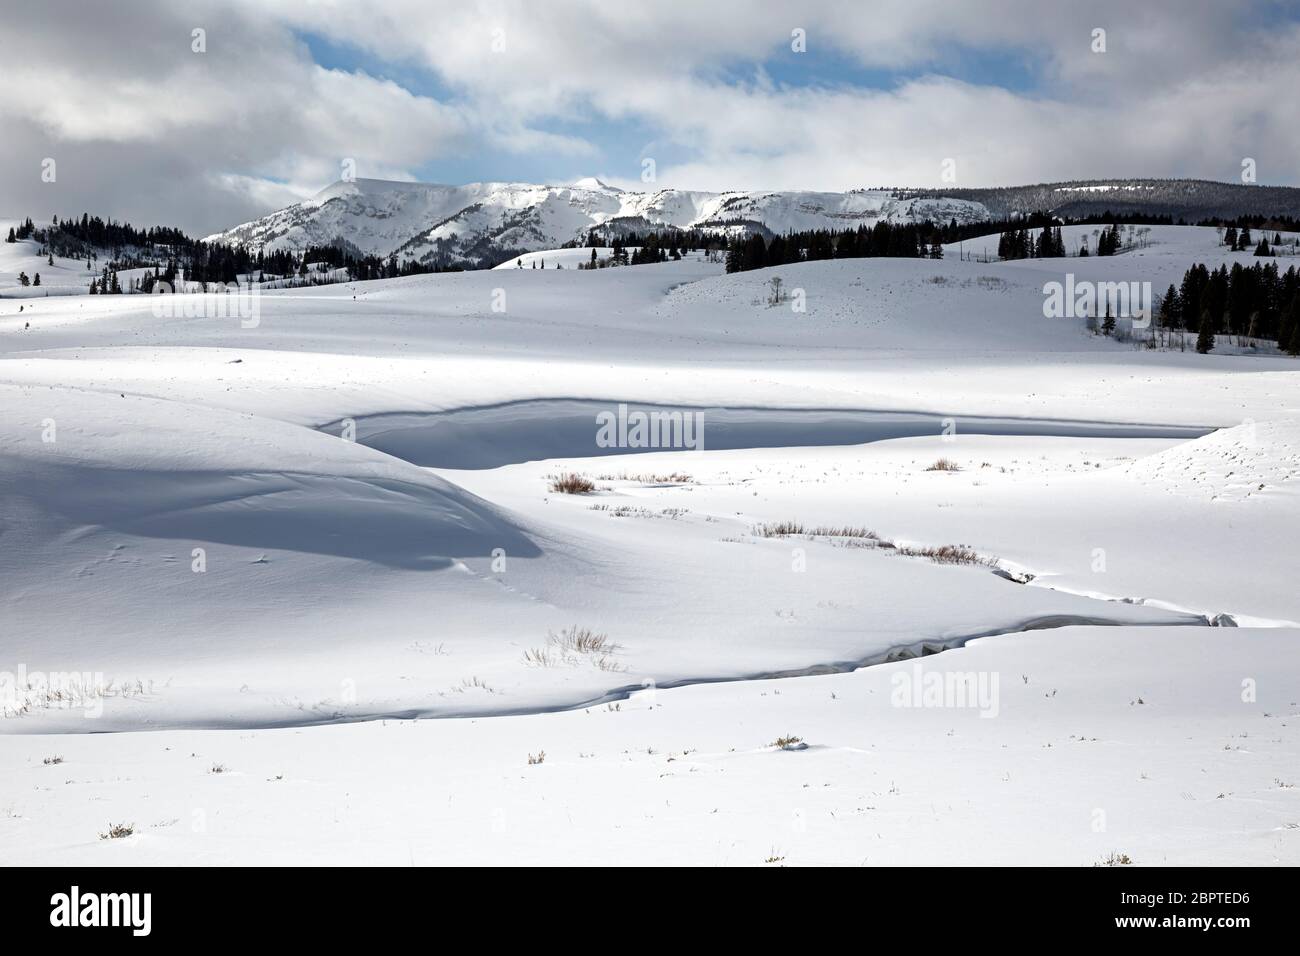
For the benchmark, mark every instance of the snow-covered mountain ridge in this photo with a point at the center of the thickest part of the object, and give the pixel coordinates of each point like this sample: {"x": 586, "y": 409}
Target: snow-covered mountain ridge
{"x": 481, "y": 223}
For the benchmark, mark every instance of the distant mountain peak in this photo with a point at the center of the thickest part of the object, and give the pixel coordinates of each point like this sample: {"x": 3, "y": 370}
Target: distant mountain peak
{"x": 591, "y": 182}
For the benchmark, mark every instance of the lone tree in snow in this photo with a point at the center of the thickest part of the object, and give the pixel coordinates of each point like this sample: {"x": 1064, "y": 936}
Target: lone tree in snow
{"x": 774, "y": 298}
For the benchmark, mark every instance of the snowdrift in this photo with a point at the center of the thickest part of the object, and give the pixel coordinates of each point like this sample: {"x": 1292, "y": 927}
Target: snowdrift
{"x": 75, "y": 460}
{"x": 1247, "y": 460}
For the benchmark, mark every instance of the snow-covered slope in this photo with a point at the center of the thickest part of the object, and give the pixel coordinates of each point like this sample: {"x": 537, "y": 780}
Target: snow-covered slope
{"x": 1231, "y": 464}
{"x": 1170, "y": 249}
{"x": 782, "y": 211}
{"x": 1188, "y": 200}
{"x": 483, "y": 221}
{"x": 372, "y": 216}
{"x": 1140, "y": 730}
{"x": 60, "y": 277}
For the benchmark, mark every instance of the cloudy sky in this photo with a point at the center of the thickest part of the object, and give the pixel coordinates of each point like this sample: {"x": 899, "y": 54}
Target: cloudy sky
{"x": 142, "y": 125}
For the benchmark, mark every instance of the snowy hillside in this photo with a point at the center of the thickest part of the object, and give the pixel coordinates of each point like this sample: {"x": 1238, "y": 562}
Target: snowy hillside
{"x": 62, "y": 277}
{"x": 370, "y": 215}
{"x": 1189, "y": 200}
{"x": 482, "y": 221}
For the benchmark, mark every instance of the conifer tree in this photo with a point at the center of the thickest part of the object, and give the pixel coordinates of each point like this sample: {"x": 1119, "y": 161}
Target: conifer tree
{"x": 1169, "y": 316}
{"x": 1046, "y": 248}
{"x": 1108, "y": 323}
{"x": 1287, "y": 324}
{"x": 1205, "y": 336}
{"x": 735, "y": 258}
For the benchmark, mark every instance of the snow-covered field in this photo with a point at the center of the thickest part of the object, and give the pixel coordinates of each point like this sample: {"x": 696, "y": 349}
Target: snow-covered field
{"x": 268, "y": 533}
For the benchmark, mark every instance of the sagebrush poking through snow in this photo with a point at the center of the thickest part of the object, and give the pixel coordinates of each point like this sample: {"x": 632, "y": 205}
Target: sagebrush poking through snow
{"x": 944, "y": 464}
{"x": 118, "y": 831}
{"x": 574, "y": 645}
{"x": 947, "y": 554}
{"x": 1116, "y": 859}
{"x": 671, "y": 478}
{"x": 848, "y": 531}
{"x": 783, "y": 529}
{"x": 583, "y": 640}
{"x": 473, "y": 683}
{"x": 572, "y": 483}
{"x": 777, "y": 529}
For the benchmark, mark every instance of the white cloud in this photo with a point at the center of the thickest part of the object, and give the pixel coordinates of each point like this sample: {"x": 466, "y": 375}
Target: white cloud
{"x": 1183, "y": 88}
